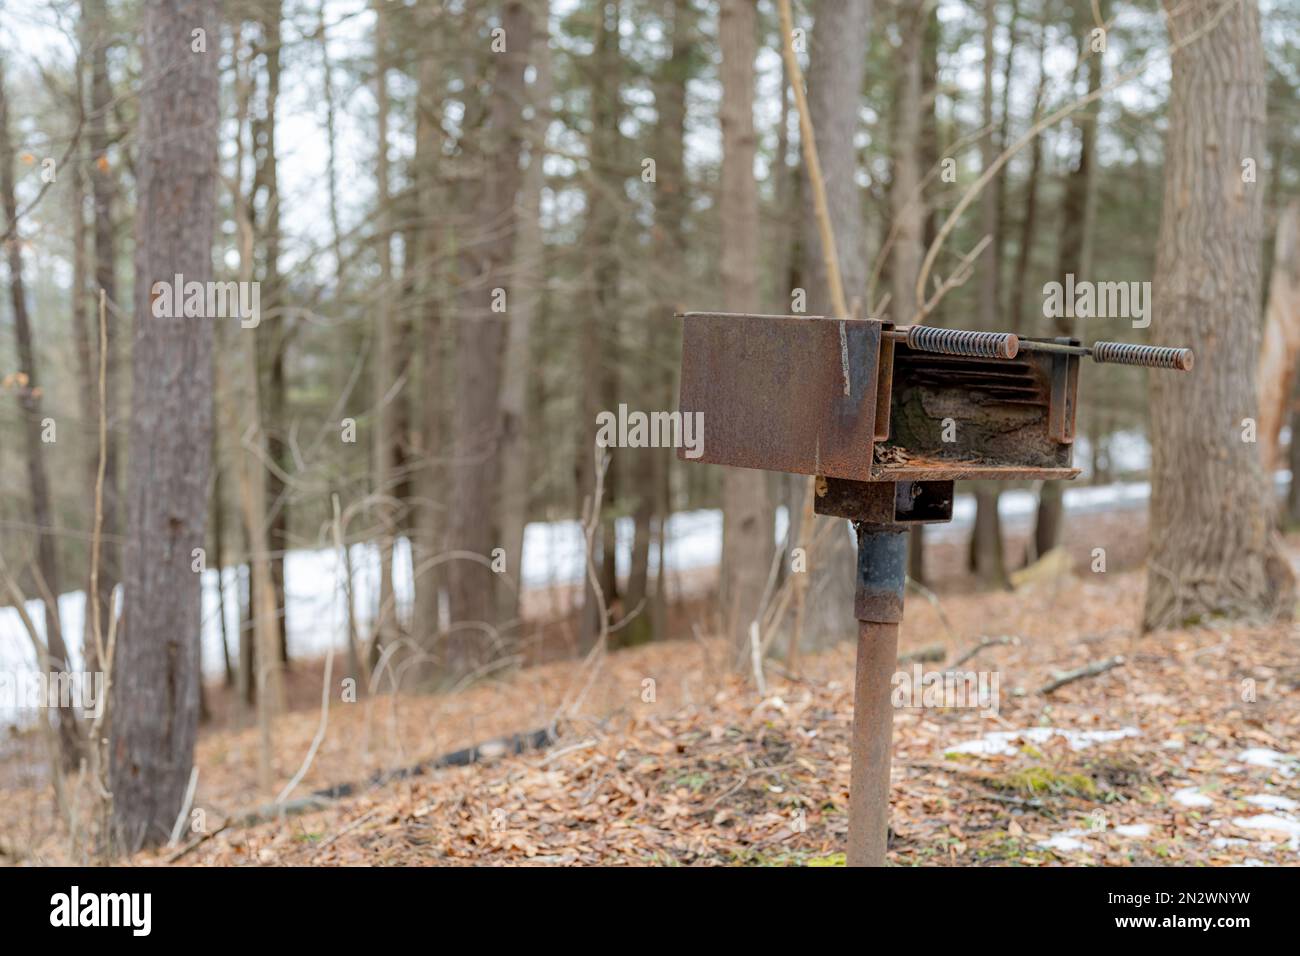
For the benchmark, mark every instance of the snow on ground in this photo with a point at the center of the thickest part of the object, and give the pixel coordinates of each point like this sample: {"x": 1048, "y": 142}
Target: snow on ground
{"x": 999, "y": 742}
{"x": 553, "y": 556}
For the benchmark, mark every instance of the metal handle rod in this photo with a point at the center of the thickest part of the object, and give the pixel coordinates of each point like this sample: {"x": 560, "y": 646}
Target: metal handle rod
{"x": 1121, "y": 353}
{"x": 1008, "y": 345}
{"x": 1005, "y": 345}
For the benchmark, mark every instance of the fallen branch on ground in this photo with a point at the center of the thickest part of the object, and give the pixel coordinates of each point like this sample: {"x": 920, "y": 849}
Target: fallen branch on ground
{"x": 1079, "y": 673}
{"x": 987, "y": 642}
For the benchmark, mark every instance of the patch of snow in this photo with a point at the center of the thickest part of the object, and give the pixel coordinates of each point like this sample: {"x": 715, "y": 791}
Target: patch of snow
{"x": 1070, "y": 839}
{"x": 1134, "y": 829}
{"x": 999, "y": 742}
{"x": 1191, "y": 797}
{"x": 1271, "y": 802}
{"x": 1220, "y": 843}
{"x": 1064, "y": 841}
{"x": 1274, "y": 822}
{"x": 1263, "y": 757}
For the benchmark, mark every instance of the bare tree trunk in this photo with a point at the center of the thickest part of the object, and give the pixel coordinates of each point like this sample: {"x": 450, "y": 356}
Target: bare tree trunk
{"x": 988, "y": 559}
{"x": 1029, "y": 223}
{"x": 381, "y": 482}
{"x": 1214, "y": 552}
{"x": 486, "y": 261}
{"x": 431, "y": 481}
{"x": 155, "y": 687}
{"x": 836, "y": 70}
{"x": 928, "y": 157}
{"x": 531, "y": 272}
{"x": 906, "y": 202}
{"x": 267, "y": 183}
{"x": 96, "y": 38}
{"x": 601, "y": 344}
{"x": 986, "y": 541}
{"x": 747, "y": 522}
{"x": 1073, "y": 251}
{"x": 259, "y": 657}
{"x": 672, "y": 204}
{"x": 87, "y": 370}
{"x": 29, "y": 403}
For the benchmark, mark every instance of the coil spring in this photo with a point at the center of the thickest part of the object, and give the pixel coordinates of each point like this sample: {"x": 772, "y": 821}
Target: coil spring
{"x": 1150, "y": 356}
{"x": 960, "y": 342}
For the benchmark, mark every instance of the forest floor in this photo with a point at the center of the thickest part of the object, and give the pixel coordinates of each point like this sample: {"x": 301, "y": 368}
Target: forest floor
{"x": 1184, "y": 755}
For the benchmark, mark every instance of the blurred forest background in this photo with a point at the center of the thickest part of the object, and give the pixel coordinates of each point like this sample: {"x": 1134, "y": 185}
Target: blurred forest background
{"x": 471, "y": 224}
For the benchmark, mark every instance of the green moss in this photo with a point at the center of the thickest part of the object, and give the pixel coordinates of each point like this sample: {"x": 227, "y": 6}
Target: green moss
{"x": 1039, "y": 779}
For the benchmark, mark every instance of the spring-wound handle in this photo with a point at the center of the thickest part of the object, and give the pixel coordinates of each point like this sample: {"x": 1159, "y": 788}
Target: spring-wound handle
{"x": 1150, "y": 356}
{"x": 926, "y": 338}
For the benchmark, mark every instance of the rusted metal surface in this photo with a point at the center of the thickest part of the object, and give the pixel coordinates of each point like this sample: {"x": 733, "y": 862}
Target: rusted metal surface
{"x": 882, "y": 573}
{"x": 829, "y": 396}
{"x": 941, "y": 469}
{"x": 885, "y": 502}
{"x": 884, "y": 385}
{"x": 783, "y": 393}
{"x": 873, "y": 732}
{"x": 1065, "y": 391}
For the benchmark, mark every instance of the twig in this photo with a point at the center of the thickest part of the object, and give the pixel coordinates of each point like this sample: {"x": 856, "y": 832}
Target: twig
{"x": 179, "y": 825}
{"x": 987, "y": 642}
{"x": 572, "y": 748}
{"x": 1079, "y": 673}
{"x": 97, "y": 535}
{"x": 190, "y": 848}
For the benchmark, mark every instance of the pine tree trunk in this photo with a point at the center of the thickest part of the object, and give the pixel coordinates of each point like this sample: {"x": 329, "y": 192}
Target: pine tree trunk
{"x": 479, "y": 350}
{"x": 1214, "y": 553}
{"x": 155, "y": 686}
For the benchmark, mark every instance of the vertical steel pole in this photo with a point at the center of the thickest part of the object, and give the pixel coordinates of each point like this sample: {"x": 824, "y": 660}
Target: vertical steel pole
{"x": 878, "y": 605}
